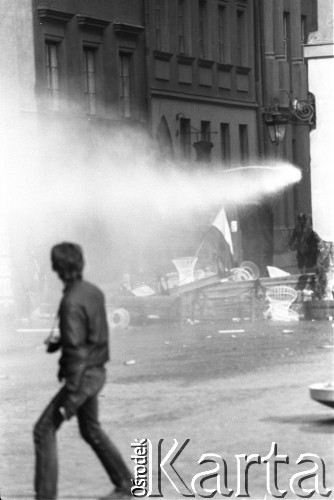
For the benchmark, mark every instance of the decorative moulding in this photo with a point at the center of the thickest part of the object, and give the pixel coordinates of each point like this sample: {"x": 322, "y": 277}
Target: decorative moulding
{"x": 205, "y": 63}
{"x": 243, "y": 70}
{"x": 92, "y": 22}
{"x": 162, "y": 56}
{"x": 224, "y": 67}
{"x": 185, "y": 59}
{"x": 128, "y": 29}
{"x": 53, "y": 15}
{"x": 242, "y": 4}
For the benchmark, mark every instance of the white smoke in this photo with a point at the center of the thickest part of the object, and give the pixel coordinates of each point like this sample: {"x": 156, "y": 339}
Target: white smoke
{"x": 67, "y": 180}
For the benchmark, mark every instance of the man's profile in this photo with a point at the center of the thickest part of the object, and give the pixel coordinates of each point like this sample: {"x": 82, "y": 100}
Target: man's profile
{"x": 84, "y": 345}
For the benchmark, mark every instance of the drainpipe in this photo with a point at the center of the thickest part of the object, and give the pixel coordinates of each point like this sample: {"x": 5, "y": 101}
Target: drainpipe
{"x": 259, "y": 72}
{"x": 260, "y": 82}
{"x": 148, "y": 78}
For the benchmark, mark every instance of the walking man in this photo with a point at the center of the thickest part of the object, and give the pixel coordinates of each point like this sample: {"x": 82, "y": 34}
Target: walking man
{"x": 84, "y": 351}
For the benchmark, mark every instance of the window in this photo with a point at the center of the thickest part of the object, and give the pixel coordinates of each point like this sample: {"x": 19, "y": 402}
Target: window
{"x": 52, "y": 74}
{"x": 205, "y": 131}
{"x": 185, "y": 138}
{"x": 286, "y": 35}
{"x": 184, "y": 27}
{"x": 303, "y": 29}
{"x": 125, "y": 84}
{"x": 202, "y": 23}
{"x": 181, "y": 26}
{"x": 243, "y": 138}
{"x": 90, "y": 79}
{"x": 241, "y": 38}
{"x": 158, "y": 28}
{"x": 222, "y": 32}
{"x": 225, "y": 142}
{"x": 161, "y": 25}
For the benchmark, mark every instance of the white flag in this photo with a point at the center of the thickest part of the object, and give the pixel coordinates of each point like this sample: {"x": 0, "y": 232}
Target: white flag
{"x": 221, "y": 223}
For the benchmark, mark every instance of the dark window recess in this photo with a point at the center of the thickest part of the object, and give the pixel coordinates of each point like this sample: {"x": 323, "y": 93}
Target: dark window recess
{"x": 202, "y": 23}
{"x": 185, "y": 138}
{"x": 286, "y": 36}
{"x": 241, "y": 38}
{"x": 52, "y": 74}
{"x": 225, "y": 142}
{"x": 205, "y": 131}
{"x": 181, "y": 26}
{"x": 303, "y": 29}
{"x": 243, "y": 139}
{"x": 90, "y": 79}
{"x": 125, "y": 85}
{"x": 221, "y": 32}
{"x": 158, "y": 27}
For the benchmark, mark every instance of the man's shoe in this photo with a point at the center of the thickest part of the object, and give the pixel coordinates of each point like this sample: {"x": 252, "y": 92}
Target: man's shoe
{"x": 117, "y": 494}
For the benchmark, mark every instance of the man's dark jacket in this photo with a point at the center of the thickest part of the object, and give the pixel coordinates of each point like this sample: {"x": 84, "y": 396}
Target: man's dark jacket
{"x": 83, "y": 330}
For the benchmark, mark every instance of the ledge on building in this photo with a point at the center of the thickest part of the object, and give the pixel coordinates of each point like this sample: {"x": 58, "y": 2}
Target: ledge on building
{"x": 224, "y": 66}
{"x": 317, "y": 51}
{"x": 128, "y": 29}
{"x": 205, "y": 63}
{"x": 53, "y": 15}
{"x": 243, "y": 70}
{"x": 183, "y": 59}
{"x": 162, "y": 55}
{"x": 92, "y": 22}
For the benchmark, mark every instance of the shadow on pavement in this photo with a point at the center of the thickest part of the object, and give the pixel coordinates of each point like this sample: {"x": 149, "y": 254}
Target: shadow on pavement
{"x": 307, "y": 423}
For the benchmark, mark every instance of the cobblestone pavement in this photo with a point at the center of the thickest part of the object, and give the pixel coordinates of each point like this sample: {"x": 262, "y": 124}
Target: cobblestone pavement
{"x": 229, "y": 392}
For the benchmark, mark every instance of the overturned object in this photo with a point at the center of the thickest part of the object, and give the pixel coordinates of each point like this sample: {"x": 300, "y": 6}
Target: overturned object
{"x": 280, "y": 300}
{"x": 119, "y": 318}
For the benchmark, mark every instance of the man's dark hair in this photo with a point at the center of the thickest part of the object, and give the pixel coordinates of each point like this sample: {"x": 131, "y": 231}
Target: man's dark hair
{"x": 67, "y": 261}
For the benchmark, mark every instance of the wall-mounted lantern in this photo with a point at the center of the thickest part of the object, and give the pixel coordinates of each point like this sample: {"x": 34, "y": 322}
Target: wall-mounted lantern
{"x": 276, "y": 121}
{"x": 277, "y": 117}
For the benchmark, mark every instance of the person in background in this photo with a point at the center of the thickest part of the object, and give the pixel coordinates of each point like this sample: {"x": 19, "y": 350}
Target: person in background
{"x": 84, "y": 349}
{"x": 306, "y": 242}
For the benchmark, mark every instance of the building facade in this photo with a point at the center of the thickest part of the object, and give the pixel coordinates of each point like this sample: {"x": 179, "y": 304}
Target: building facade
{"x": 197, "y": 76}
{"x": 285, "y": 26}
{"x": 76, "y": 58}
{"x": 214, "y": 69}
{"x": 202, "y": 88}
{"x": 85, "y": 57}
{"x": 201, "y": 68}
{"x": 72, "y": 79}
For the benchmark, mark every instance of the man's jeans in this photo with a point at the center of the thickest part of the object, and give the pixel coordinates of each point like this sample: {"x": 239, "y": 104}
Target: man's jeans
{"x": 83, "y": 403}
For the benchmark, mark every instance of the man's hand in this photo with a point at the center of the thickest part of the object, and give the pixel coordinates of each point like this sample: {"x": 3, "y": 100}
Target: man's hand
{"x": 62, "y": 411}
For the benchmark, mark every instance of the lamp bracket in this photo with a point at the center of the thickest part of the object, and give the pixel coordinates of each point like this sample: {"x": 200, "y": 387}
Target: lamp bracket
{"x": 304, "y": 110}
{"x": 300, "y": 111}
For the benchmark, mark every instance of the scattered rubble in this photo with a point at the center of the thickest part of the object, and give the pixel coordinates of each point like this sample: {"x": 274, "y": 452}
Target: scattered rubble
{"x": 130, "y": 362}
{"x": 231, "y": 331}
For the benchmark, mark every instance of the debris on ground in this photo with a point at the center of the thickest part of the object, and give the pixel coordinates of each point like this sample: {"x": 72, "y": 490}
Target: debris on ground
{"x": 231, "y": 331}
{"x": 143, "y": 291}
{"x": 130, "y": 362}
